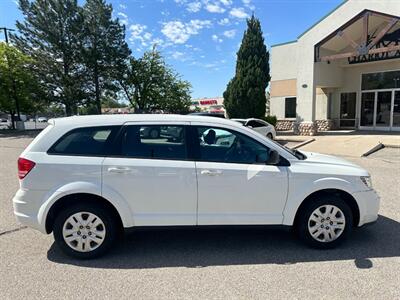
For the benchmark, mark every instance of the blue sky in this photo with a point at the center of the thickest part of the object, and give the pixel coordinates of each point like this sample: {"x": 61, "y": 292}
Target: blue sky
{"x": 200, "y": 38}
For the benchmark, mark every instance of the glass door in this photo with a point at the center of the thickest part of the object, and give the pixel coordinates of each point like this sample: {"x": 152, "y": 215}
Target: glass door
{"x": 383, "y": 109}
{"x": 367, "y": 109}
{"x": 396, "y": 110}
{"x": 348, "y": 110}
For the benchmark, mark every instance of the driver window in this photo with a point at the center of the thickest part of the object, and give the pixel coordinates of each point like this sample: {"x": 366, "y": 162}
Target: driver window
{"x": 222, "y": 145}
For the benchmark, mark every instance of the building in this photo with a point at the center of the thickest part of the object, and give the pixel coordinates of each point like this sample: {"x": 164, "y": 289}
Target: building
{"x": 214, "y": 105}
{"x": 343, "y": 72}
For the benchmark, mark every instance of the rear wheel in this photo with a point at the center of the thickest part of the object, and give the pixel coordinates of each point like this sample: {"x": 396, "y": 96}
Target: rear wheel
{"x": 269, "y": 135}
{"x": 85, "y": 230}
{"x": 154, "y": 133}
{"x": 325, "y": 222}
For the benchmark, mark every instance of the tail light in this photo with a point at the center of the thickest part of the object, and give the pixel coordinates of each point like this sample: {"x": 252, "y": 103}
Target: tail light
{"x": 24, "y": 167}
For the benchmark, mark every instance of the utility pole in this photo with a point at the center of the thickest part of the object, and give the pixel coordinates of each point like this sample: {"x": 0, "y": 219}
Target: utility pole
{"x": 6, "y": 30}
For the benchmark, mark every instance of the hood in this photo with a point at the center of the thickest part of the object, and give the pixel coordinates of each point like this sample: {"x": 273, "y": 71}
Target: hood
{"x": 333, "y": 162}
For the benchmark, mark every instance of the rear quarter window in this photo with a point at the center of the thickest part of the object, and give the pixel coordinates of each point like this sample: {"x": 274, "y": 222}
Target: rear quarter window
{"x": 87, "y": 141}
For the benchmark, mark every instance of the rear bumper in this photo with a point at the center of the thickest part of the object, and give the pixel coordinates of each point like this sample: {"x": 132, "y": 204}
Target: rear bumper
{"x": 368, "y": 203}
{"x": 26, "y": 208}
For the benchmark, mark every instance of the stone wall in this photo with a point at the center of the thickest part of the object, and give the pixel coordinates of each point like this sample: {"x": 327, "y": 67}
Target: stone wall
{"x": 284, "y": 125}
{"x": 305, "y": 128}
{"x": 324, "y": 125}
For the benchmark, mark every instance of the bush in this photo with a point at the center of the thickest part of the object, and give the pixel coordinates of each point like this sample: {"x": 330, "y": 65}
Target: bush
{"x": 271, "y": 120}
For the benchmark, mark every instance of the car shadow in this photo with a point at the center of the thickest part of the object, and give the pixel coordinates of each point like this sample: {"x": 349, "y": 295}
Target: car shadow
{"x": 202, "y": 247}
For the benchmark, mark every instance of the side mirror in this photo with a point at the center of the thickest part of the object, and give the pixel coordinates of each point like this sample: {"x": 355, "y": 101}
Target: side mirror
{"x": 274, "y": 158}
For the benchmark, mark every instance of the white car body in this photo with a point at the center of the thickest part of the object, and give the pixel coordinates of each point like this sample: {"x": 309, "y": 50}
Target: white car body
{"x": 154, "y": 192}
{"x": 258, "y": 125}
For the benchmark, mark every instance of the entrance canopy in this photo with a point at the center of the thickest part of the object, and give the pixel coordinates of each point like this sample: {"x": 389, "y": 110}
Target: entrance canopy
{"x": 369, "y": 36}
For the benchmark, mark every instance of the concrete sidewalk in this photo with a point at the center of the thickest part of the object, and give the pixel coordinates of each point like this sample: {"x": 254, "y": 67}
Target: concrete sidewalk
{"x": 346, "y": 143}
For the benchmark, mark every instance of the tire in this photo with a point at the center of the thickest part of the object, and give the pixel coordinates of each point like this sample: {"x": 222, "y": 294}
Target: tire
{"x": 328, "y": 233}
{"x": 154, "y": 133}
{"x": 98, "y": 237}
{"x": 269, "y": 135}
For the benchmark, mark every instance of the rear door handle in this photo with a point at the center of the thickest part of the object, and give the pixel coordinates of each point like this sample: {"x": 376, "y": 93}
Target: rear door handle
{"x": 119, "y": 170}
{"x": 211, "y": 172}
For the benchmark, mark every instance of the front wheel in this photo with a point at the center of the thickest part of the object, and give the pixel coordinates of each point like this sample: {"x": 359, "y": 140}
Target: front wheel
{"x": 325, "y": 222}
{"x": 270, "y": 136}
{"x": 84, "y": 231}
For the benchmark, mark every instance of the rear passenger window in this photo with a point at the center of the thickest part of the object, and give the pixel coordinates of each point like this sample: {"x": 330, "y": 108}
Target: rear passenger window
{"x": 86, "y": 141}
{"x": 154, "y": 141}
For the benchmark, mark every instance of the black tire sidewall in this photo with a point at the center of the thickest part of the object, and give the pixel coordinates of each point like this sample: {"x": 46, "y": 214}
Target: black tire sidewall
{"x": 101, "y": 212}
{"x": 304, "y": 215}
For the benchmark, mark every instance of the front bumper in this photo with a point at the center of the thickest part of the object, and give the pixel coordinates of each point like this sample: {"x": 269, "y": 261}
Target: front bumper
{"x": 368, "y": 204}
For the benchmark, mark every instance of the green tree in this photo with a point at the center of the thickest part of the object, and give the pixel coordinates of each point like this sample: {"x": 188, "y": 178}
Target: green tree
{"x": 245, "y": 93}
{"x": 19, "y": 89}
{"x": 150, "y": 84}
{"x": 51, "y": 34}
{"x": 105, "y": 51}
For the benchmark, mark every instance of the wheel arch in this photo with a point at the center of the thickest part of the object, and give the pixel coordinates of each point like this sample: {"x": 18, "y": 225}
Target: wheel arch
{"x": 347, "y": 197}
{"x": 70, "y": 199}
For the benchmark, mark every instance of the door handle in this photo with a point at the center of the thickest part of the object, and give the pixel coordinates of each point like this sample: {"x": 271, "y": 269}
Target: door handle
{"x": 119, "y": 170}
{"x": 211, "y": 172}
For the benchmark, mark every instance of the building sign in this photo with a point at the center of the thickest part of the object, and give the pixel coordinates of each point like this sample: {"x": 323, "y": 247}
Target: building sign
{"x": 388, "y": 40}
{"x": 208, "y": 102}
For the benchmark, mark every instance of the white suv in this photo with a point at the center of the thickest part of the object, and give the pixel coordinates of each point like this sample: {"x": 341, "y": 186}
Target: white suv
{"x": 87, "y": 178}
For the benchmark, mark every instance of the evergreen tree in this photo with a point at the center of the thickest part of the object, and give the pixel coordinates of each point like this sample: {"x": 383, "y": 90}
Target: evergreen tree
{"x": 245, "y": 94}
{"x": 51, "y": 34}
{"x": 105, "y": 51}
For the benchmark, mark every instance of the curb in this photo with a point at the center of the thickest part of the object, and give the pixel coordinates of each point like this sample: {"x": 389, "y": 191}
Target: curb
{"x": 304, "y": 143}
{"x": 374, "y": 149}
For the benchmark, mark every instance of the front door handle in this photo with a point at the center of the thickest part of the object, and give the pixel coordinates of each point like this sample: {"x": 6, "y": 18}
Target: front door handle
{"x": 119, "y": 170}
{"x": 211, "y": 172}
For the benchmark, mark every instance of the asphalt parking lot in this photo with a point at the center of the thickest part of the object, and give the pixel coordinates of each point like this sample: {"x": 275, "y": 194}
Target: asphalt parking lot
{"x": 263, "y": 263}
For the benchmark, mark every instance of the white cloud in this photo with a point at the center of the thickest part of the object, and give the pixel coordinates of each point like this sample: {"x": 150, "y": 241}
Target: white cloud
{"x": 122, "y": 6}
{"x": 178, "y": 55}
{"x": 238, "y": 13}
{"x": 123, "y": 18}
{"x": 246, "y": 1}
{"x": 230, "y": 33}
{"x": 224, "y": 21}
{"x": 138, "y": 34}
{"x": 194, "y": 6}
{"x": 179, "y": 32}
{"x": 216, "y": 39}
{"x": 226, "y": 2}
{"x": 214, "y": 8}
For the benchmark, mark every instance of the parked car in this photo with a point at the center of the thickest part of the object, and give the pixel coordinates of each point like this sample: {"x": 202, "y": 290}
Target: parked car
{"x": 260, "y": 126}
{"x": 42, "y": 119}
{"x": 87, "y": 178}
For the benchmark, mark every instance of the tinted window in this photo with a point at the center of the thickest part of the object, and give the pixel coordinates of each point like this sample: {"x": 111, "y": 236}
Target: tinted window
{"x": 154, "y": 141}
{"x": 290, "y": 107}
{"x": 382, "y": 80}
{"x": 255, "y": 124}
{"x": 85, "y": 141}
{"x": 222, "y": 145}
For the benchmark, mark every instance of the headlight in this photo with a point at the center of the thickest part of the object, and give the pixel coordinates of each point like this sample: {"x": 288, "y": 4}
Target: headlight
{"x": 367, "y": 181}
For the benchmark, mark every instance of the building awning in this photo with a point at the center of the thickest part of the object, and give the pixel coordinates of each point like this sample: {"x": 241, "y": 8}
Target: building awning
{"x": 369, "y": 36}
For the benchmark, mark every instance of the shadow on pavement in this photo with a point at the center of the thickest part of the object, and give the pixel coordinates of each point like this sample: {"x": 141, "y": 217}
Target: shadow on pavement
{"x": 202, "y": 247}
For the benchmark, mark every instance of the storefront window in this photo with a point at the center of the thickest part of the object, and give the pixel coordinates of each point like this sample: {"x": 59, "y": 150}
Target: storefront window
{"x": 381, "y": 80}
{"x": 290, "y": 107}
{"x": 348, "y": 109}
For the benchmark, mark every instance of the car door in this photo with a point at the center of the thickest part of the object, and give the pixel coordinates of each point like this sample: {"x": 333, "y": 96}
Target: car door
{"x": 153, "y": 175}
{"x": 235, "y": 186}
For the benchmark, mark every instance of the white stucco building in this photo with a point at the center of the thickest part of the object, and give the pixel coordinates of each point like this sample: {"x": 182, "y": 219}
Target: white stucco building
{"x": 343, "y": 72}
